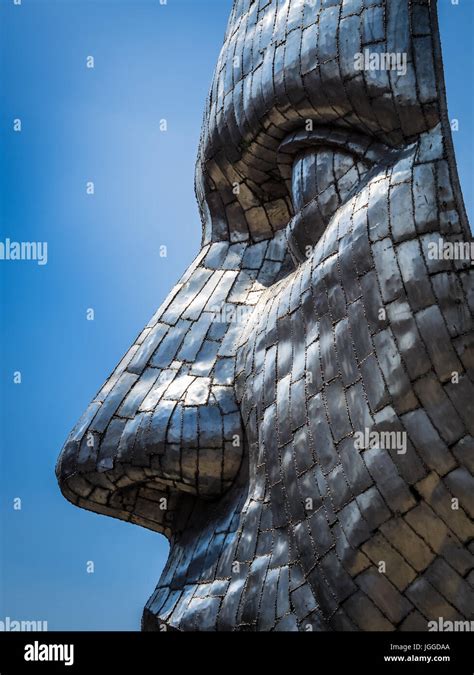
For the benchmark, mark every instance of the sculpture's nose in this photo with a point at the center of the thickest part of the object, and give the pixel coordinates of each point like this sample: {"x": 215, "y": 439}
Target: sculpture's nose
{"x": 166, "y": 422}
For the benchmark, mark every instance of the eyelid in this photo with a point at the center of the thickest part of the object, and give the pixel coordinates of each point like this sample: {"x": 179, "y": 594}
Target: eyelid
{"x": 362, "y": 148}
{"x": 320, "y": 179}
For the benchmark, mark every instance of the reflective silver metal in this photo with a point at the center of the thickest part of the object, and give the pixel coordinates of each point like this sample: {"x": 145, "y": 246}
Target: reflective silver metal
{"x": 298, "y": 416}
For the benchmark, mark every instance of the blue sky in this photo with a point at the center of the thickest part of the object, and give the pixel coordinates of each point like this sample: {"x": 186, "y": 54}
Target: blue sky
{"x": 102, "y": 125}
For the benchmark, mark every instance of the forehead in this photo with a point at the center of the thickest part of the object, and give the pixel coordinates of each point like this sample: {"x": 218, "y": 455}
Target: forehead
{"x": 284, "y": 62}
{"x": 300, "y": 54}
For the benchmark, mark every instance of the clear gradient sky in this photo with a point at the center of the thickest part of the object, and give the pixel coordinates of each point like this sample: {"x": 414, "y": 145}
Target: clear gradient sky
{"x": 102, "y": 125}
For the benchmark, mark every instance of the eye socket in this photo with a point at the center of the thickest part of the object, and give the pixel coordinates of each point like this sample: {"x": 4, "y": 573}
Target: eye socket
{"x": 322, "y": 169}
{"x": 309, "y": 161}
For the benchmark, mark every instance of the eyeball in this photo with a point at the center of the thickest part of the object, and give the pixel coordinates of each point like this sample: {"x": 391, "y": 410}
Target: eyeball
{"x": 323, "y": 169}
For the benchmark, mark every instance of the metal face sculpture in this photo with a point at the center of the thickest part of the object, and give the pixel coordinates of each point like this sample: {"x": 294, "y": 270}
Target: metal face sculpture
{"x": 298, "y": 416}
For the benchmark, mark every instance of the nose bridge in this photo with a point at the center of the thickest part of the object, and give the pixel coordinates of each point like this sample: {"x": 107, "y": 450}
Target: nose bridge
{"x": 166, "y": 421}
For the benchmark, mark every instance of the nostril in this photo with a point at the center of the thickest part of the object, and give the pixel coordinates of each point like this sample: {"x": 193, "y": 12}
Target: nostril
{"x": 73, "y": 486}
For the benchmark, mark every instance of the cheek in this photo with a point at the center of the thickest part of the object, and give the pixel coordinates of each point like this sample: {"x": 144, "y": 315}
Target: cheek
{"x": 266, "y": 362}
